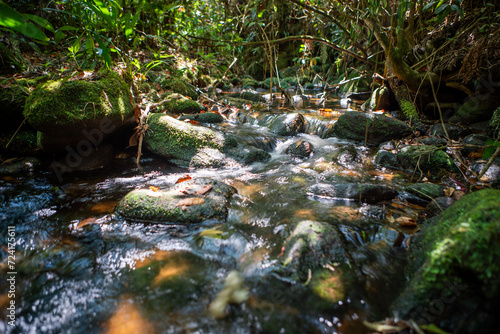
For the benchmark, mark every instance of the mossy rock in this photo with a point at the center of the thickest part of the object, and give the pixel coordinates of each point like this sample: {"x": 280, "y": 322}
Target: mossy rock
{"x": 476, "y": 109}
{"x": 65, "y": 107}
{"x": 182, "y": 105}
{"x": 180, "y": 87}
{"x": 455, "y": 266}
{"x": 376, "y": 129}
{"x": 426, "y": 191}
{"x": 208, "y": 117}
{"x": 425, "y": 159}
{"x": 249, "y": 95}
{"x": 166, "y": 206}
{"x": 329, "y": 287}
{"x": 19, "y": 166}
{"x": 248, "y": 154}
{"x": 178, "y": 140}
{"x": 310, "y": 245}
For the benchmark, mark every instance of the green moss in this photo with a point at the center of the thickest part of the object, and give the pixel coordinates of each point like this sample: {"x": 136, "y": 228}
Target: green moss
{"x": 183, "y": 106}
{"x": 426, "y": 159}
{"x": 56, "y": 104}
{"x": 409, "y": 111}
{"x": 176, "y": 139}
{"x": 178, "y": 86}
{"x": 250, "y": 83}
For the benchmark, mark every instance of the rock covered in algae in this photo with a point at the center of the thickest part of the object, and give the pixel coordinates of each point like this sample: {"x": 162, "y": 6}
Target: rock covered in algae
{"x": 188, "y": 202}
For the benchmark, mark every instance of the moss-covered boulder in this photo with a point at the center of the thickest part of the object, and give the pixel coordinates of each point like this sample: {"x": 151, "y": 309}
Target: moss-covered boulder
{"x": 179, "y": 140}
{"x": 455, "y": 268}
{"x": 180, "y": 87}
{"x": 426, "y": 191}
{"x": 419, "y": 159}
{"x": 362, "y": 192}
{"x": 310, "y": 245}
{"x": 188, "y": 202}
{"x": 375, "y": 129}
{"x": 476, "y": 109}
{"x": 181, "y": 105}
{"x": 288, "y": 125}
{"x": 76, "y": 109}
{"x": 207, "y": 117}
{"x": 249, "y": 95}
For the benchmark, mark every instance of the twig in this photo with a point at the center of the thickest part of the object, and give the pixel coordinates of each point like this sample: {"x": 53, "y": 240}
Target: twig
{"x": 15, "y": 133}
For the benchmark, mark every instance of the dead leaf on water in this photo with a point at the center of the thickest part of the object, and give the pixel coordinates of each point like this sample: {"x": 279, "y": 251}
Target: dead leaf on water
{"x": 183, "y": 178}
{"x": 190, "y": 201}
{"x": 128, "y": 319}
{"x": 104, "y": 207}
{"x": 205, "y": 189}
{"x": 153, "y": 188}
{"x": 85, "y": 222}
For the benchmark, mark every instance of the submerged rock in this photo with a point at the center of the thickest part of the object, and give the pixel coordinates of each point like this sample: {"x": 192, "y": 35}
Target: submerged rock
{"x": 367, "y": 193}
{"x": 19, "y": 165}
{"x": 310, "y": 245}
{"x": 188, "y": 202}
{"x": 454, "y": 267}
{"x": 288, "y": 125}
{"x": 376, "y": 129}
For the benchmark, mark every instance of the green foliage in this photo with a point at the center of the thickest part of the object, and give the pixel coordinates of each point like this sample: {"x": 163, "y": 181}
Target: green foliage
{"x": 490, "y": 148}
{"x": 409, "y": 111}
{"x": 11, "y": 19}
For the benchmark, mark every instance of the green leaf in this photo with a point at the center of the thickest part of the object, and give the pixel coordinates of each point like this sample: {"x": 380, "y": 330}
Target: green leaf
{"x": 14, "y": 20}
{"x": 128, "y": 26}
{"x": 89, "y": 45}
{"x": 59, "y": 36}
{"x": 65, "y": 28}
{"x": 41, "y": 22}
{"x": 431, "y": 4}
{"x": 105, "y": 52}
{"x": 488, "y": 152}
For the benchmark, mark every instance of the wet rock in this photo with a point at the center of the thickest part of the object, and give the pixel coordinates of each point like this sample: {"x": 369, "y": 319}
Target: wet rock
{"x": 249, "y": 95}
{"x": 80, "y": 110}
{"x": 473, "y": 143}
{"x": 454, "y": 131}
{"x": 476, "y": 109}
{"x": 493, "y": 172}
{"x": 367, "y": 193}
{"x": 288, "y": 125}
{"x": 300, "y": 101}
{"x": 345, "y": 156}
{"x": 208, "y": 117}
{"x": 420, "y": 159}
{"x": 454, "y": 267}
{"x": 432, "y": 141}
{"x": 426, "y": 191}
{"x": 185, "y": 203}
{"x": 357, "y": 126}
{"x": 310, "y": 245}
{"x": 248, "y": 154}
{"x": 19, "y": 165}
{"x": 178, "y": 140}
{"x": 300, "y": 149}
{"x": 438, "y": 205}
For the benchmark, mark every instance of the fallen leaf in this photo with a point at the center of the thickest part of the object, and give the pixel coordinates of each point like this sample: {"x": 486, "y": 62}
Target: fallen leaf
{"x": 104, "y": 207}
{"x": 154, "y": 188}
{"x": 448, "y": 192}
{"x": 298, "y": 143}
{"x": 86, "y": 222}
{"x": 137, "y": 113}
{"x": 193, "y": 122}
{"x": 183, "y": 178}
{"x": 458, "y": 194}
{"x": 134, "y": 140}
{"x": 190, "y": 201}
{"x": 205, "y": 189}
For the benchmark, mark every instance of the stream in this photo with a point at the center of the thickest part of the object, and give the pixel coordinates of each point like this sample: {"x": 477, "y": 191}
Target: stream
{"x": 83, "y": 269}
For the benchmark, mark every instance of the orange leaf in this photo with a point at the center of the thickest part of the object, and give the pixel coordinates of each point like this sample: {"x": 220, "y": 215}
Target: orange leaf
{"x": 190, "y": 201}
{"x": 137, "y": 113}
{"x": 205, "y": 189}
{"x": 202, "y": 112}
{"x": 183, "y": 178}
{"x": 193, "y": 122}
{"x": 154, "y": 188}
{"x": 87, "y": 221}
{"x": 406, "y": 222}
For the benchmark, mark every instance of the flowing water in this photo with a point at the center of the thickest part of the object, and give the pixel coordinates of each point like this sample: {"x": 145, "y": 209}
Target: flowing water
{"x": 83, "y": 269}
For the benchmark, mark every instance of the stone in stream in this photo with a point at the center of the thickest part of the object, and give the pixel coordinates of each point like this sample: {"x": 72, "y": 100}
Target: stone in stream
{"x": 188, "y": 202}
{"x": 454, "y": 131}
{"x": 426, "y": 191}
{"x": 19, "y": 165}
{"x": 181, "y": 105}
{"x": 310, "y": 245}
{"x": 196, "y": 146}
{"x": 288, "y": 124}
{"x": 208, "y": 117}
{"x": 79, "y": 112}
{"x": 420, "y": 159}
{"x": 454, "y": 267}
{"x": 366, "y": 193}
{"x": 376, "y": 129}
{"x": 300, "y": 149}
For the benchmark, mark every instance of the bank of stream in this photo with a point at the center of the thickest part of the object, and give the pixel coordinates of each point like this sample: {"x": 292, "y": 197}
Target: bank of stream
{"x": 81, "y": 268}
